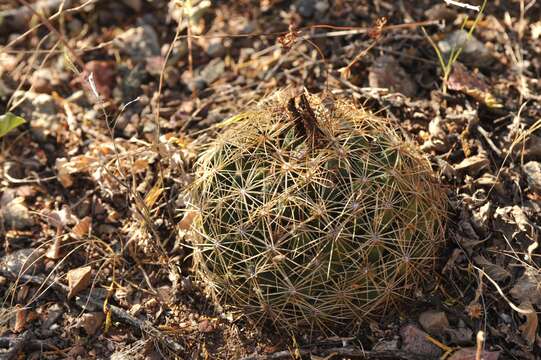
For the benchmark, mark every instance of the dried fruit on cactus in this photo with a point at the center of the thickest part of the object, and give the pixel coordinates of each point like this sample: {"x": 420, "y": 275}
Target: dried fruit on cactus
{"x": 314, "y": 214}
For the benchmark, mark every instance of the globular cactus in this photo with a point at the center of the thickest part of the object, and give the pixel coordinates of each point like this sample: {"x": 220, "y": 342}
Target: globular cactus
{"x": 314, "y": 215}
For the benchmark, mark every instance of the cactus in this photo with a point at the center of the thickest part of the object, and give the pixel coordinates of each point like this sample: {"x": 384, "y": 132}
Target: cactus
{"x": 314, "y": 216}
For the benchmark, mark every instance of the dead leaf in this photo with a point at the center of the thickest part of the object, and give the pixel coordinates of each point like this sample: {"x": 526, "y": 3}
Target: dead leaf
{"x": 62, "y": 173}
{"x": 20, "y": 320}
{"x": 522, "y": 220}
{"x": 474, "y": 164}
{"x": 187, "y": 220}
{"x": 496, "y": 272}
{"x": 153, "y": 195}
{"x": 91, "y": 322}
{"x": 529, "y": 328}
{"x": 515, "y": 215}
{"x": 54, "y": 251}
{"x": 81, "y": 163}
{"x": 490, "y": 180}
{"x": 140, "y": 165}
{"x": 106, "y": 149}
{"x": 82, "y": 229}
{"x": 461, "y": 79}
{"x": 78, "y": 280}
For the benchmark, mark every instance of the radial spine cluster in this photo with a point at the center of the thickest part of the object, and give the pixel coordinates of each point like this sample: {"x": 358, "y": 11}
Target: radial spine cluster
{"x": 314, "y": 229}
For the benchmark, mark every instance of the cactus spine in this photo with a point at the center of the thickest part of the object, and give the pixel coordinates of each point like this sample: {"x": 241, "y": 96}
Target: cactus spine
{"x": 314, "y": 214}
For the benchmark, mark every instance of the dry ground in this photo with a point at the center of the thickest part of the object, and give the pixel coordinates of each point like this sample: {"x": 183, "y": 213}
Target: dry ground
{"x": 119, "y": 95}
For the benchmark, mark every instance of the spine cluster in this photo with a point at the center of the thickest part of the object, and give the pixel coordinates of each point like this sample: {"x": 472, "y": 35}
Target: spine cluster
{"x": 314, "y": 216}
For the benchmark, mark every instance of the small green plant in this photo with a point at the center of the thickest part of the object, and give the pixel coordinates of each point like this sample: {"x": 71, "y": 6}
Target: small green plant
{"x": 446, "y": 64}
{"x": 8, "y": 122}
{"x": 314, "y": 216}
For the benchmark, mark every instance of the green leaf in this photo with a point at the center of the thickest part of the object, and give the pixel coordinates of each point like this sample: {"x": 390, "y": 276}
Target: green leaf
{"x": 8, "y": 122}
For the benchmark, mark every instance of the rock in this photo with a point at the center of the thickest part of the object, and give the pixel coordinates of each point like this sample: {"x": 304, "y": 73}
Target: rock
{"x": 186, "y": 284}
{"x": 135, "y": 5}
{"x": 180, "y": 50}
{"x": 40, "y": 110}
{"x": 24, "y": 261}
{"x": 42, "y": 104}
{"x": 434, "y": 322}
{"x": 386, "y": 72}
{"x": 16, "y": 215}
{"x": 79, "y": 97}
{"x": 205, "y": 326}
{"x": 54, "y": 312}
{"x": 414, "y": 340}
{"x": 5, "y": 91}
{"x": 474, "y": 53}
{"x": 96, "y": 293}
{"x": 212, "y": 72}
{"x": 139, "y": 43}
{"x": 197, "y": 85}
{"x": 78, "y": 280}
{"x": 103, "y": 76}
{"x": 461, "y": 336}
{"x": 129, "y": 86}
{"x": 441, "y": 12}
{"x": 322, "y": 6}
{"x": 532, "y": 148}
{"x": 216, "y": 48}
{"x": 74, "y": 26}
{"x": 172, "y": 78}
{"x": 42, "y": 80}
{"x": 306, "y": 8}
{"x": 532, "y": 170}
{"x": 7, "y": 196}
{"x": 8, "y": 63}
